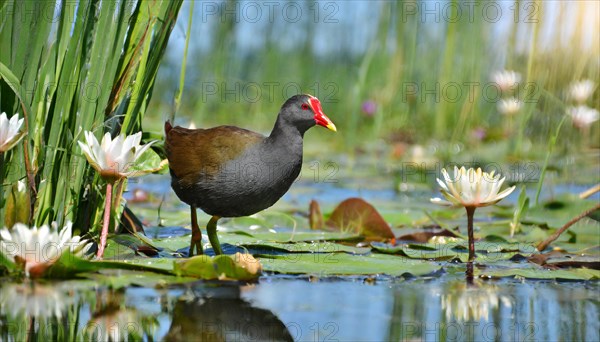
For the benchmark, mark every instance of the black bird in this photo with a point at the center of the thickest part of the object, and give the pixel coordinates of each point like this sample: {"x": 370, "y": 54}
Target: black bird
{"x": 229, "y": 171}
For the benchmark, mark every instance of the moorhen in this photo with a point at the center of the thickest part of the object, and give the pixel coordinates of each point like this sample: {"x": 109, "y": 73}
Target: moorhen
{"x": 229, "y": 172}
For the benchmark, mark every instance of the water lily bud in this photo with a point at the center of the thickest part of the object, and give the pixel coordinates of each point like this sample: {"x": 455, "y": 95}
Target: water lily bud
{"x": 18, "y": 205}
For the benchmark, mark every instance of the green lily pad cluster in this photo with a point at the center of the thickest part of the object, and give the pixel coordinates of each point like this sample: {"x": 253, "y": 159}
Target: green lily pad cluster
{"x": 263, "y": 243}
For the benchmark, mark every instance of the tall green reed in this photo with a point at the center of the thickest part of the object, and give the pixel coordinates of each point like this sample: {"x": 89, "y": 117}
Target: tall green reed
{"x": 71, "y": 67}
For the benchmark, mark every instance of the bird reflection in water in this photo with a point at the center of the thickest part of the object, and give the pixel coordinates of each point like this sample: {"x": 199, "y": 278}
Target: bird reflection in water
{"x": 221, "y": 315}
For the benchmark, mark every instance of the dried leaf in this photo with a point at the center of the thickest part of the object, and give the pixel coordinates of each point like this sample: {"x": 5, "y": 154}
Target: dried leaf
{"x": 357, "y": 216}
{"x": 315, "y": 218}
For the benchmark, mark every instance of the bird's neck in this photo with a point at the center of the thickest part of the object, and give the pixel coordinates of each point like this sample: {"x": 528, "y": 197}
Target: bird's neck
{"x": 285, "y": 133}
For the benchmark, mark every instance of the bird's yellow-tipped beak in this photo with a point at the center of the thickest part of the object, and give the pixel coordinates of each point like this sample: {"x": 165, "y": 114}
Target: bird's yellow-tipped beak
{"x": 331, "y": 126}
{"x": 320, "y": 118}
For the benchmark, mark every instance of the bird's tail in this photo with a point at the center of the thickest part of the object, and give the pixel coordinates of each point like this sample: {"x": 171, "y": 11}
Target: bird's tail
{"x": 168, "y": 127}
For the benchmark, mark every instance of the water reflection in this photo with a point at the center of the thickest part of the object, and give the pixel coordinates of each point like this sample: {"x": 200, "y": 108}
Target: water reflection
{"x": 472, "y": 301}
{"x": 224, "y": 318}
{"x": 285, "y": 309}
{"x": 31, "y": 311}
{"x": 34, "y": 300}
{"x": 506, "y": 310}
{"x": 61, "y": 311}
{"x": 113, "y": 320}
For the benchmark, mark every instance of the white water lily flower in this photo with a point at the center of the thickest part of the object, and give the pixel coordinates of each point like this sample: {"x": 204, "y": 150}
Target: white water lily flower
{"x": 36, "y": 249}
{"x": 509, "y": 106}
{"x": 583, "y": 116}
{"x": 10, "y": 133}
{"x": 471, "y": 188}
{"x": 506, "y": 79}
{"x": 113, "y": 158}
{"x": 581, "y": 91}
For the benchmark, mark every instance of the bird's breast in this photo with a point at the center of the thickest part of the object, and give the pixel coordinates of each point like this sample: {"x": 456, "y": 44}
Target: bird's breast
{"x": 264, "y": 176}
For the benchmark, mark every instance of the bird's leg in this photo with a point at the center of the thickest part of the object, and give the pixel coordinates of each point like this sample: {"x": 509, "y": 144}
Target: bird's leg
{"x": 211, "y": 230}
{"x": 196, "y": 234}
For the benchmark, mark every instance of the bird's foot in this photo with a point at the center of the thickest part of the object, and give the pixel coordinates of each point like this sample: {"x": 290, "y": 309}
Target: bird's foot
{"x": 196, "y": 243}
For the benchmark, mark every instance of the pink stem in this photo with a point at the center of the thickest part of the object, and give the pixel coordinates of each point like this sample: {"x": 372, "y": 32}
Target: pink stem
{"x": 106, "y": 220}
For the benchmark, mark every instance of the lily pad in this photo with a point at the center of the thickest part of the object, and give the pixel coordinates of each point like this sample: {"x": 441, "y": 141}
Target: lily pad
{"x": 137, "y": 243}
{"x": 223, "y": 267}
{"x": 357, "y": 216}
{"x": 575, "y": 261}
{"x": 306, "y": 236}
{"x": 561, "y": 259}
{"x": 117, "y": 279}
{"x": 425, "y": 235}
{"x": 487, "y": 252}
{"x": 543, "y": 273}
{"x": 581, "y": 235}
{"x": 315, "y": 218}
{"x": 304, "y": 247}
{"x": 267, "y": 239}
{"x": 70, "y": 266}
{"x": 558, "y": 211}
{"x": 331, "y": 264}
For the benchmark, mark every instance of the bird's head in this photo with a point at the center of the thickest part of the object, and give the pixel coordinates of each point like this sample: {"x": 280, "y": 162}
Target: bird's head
{"x": 305, "y": 111}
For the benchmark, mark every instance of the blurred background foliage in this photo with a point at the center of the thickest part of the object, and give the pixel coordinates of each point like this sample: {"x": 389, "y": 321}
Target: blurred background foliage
{"x": 426, "y": 66}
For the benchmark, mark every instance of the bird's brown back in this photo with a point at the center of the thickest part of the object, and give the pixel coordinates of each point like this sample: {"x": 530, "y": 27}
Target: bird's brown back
{"x": 196, "y": 152}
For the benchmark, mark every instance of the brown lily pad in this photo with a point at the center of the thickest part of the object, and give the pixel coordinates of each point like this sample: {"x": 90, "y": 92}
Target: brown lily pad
{"x": 358, "y": 216}
{"x": 315, "y": 218}
{"x": 560, "y": 259}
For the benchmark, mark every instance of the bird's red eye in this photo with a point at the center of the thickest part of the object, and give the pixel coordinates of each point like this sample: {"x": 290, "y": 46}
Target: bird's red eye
{"x": 304, "y": 106}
